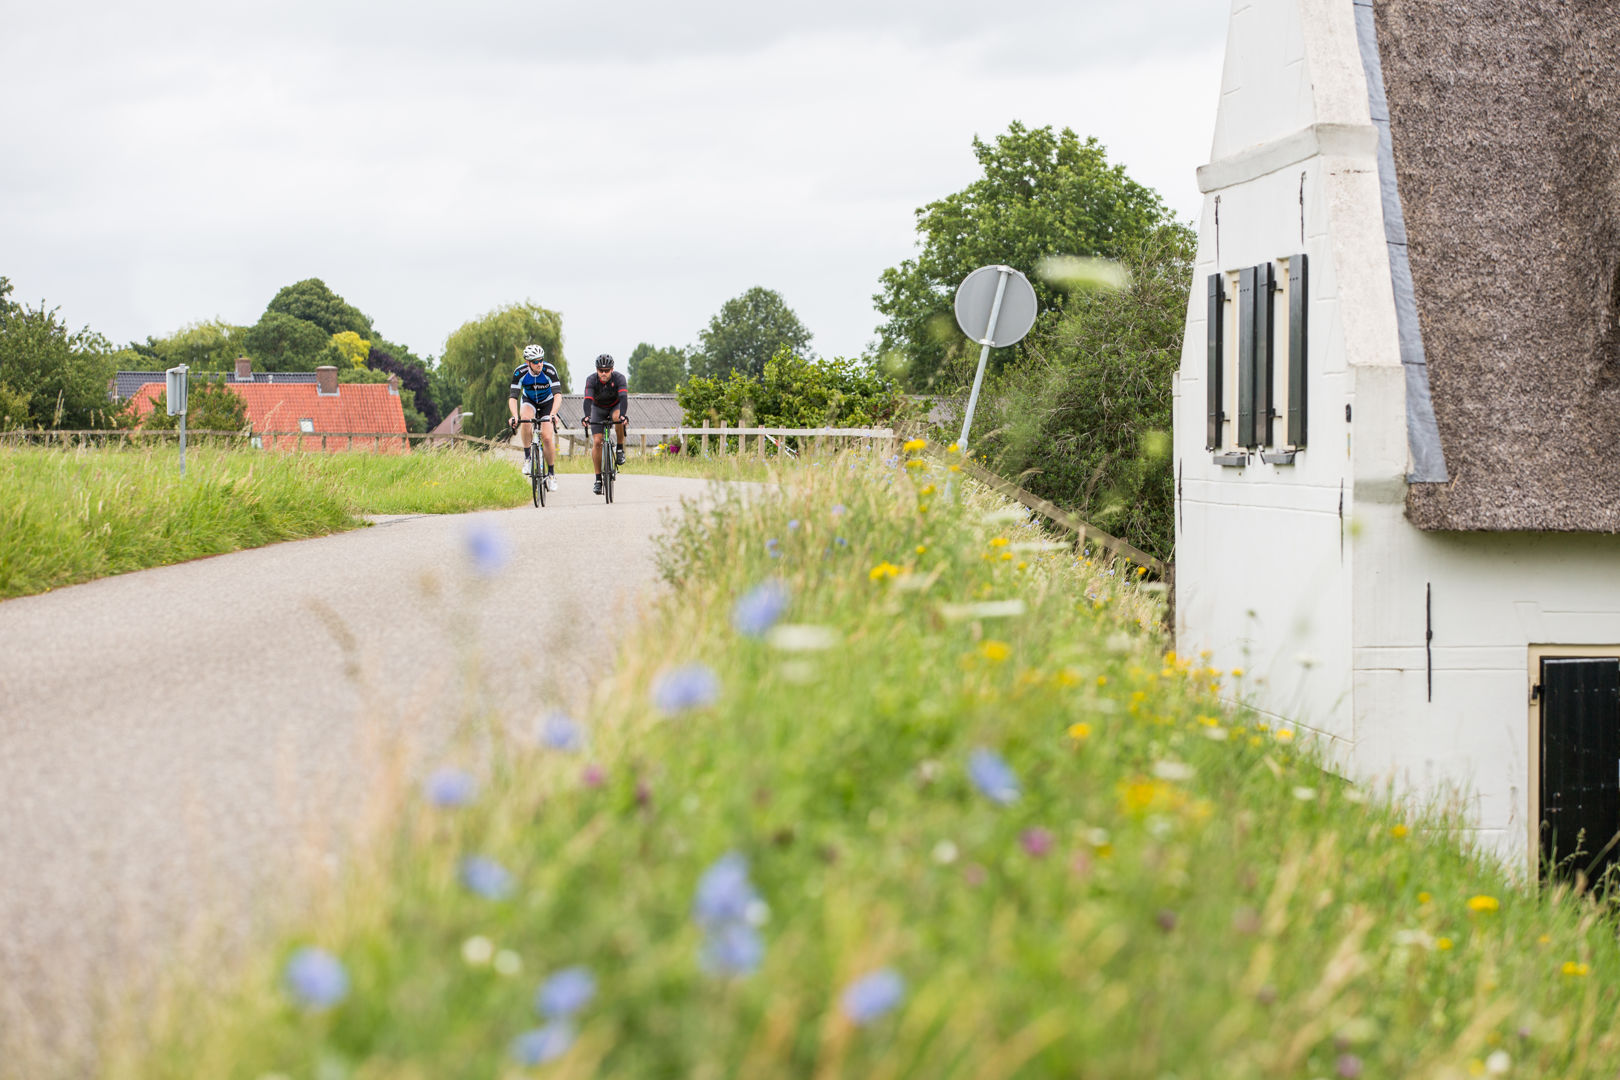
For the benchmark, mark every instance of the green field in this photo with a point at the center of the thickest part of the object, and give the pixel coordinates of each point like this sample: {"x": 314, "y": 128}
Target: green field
{"x": 940, "y": 750}
{"x": 70, "y": 516}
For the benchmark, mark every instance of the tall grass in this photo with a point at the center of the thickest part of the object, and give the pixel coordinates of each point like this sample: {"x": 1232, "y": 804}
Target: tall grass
{"x": 70, "y": 516}
{"x": 1155, "y": 886}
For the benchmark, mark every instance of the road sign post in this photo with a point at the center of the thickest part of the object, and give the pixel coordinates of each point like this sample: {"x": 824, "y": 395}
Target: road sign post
{"x": 175, "y": 392}
{"x": 995, "y": 306}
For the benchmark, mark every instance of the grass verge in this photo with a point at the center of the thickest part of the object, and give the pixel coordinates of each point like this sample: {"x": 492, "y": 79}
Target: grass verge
{"x": 70, "y": 516}
{"x": 895, "y": 787}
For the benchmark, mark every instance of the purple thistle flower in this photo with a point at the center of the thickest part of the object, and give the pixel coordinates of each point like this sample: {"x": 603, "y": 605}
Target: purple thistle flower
{"x": 486, "y": 877}
{"x": 558, "y": 732}
{"x": 759, "y": 608}
{"x": 450, "y": 787}
{"x": 542, "y": 1045}
{"x": 724, "y": 893}
{"x": 1036, "y": 842}
{"x": 565, "y": 993}
{"x": 691, "y": 686}
{"x": 488, "y": 549}
{"x": 733, "y": 949}
{"x": 315, "y": 979}
{"x": 594, "y": 776}
{"x": 993, "y": 777}
{"x": 872, "y": 996}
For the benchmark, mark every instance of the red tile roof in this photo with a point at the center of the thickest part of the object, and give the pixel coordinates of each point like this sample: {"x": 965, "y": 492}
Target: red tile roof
{"x": 363, "y": 408}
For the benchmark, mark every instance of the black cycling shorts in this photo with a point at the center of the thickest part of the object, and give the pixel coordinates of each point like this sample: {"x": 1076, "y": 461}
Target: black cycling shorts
{"x": 599, "y": 418}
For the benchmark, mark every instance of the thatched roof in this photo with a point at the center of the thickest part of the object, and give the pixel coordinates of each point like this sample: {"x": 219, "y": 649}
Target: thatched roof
{"x": 1505, "y": 117}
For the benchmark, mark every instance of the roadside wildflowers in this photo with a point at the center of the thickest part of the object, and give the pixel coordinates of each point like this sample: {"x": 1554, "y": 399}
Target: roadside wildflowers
{"x": 1576, "y": 969}
{"x": 1036, "y": 842}
{"x": 915, "y": 446}
{"x": 1479, "y": 904}
{"x": 558, "y": 732}
{"x": 995, "y": 651}
{"x": 486, "y": 877}
{"x": 565, "y": 993}
{"x": 542, "y": 1045}
{"x": 315, "y": 979}
{"x": 727, "y": 908}
{"x": 1399, "y": 832}
{"x": 757, "y": 610}
{"x": 477, "y": 951}
{"x": 993, "y": 777}
{"x": 873, "y": 996}
{"x": 450, "y": 788}
{"x": 883, "y": 571}
{"x": 487, "y": 549}
{"x": 691, "y": 686}
{"x": 1080, "y": 732}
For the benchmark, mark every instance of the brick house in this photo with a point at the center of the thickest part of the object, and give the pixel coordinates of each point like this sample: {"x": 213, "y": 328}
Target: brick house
{"x": 319, "y": 415}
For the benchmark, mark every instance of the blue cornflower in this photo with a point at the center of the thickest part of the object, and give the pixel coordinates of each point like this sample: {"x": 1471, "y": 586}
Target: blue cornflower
{"x": 874, "y": 995}
{"x": 993, "y": 777}
{"x": 541, "y": 1045}
{"x": 771, "y": 548}
{"x": 842, "y": 542}
{"x": 488, "y": 549}
{"x": 793, "y": 526}
{"x": 565, "y": 993}
{"x": 450, "y": 787}
{"x": 558, "y": 732}
{"x": 733, "y": 949}
{"x": 691, "y": 686}
{"x": 759, "y": 608}
{"x": 315, "y": 978}
{"x": 724, "y": 893}
{"x": 486, "y": 877}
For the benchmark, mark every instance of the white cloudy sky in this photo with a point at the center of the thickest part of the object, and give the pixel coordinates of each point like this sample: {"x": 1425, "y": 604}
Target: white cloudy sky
{"x": 630, "y": 163}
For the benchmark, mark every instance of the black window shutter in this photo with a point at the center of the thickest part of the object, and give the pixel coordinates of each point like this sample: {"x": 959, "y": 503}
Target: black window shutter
{"x": 1245, "y": 364}
{"x": 1217, "y": 339}
{"x": 1298, "y": 314}
{"x": 1580, "y": 762}
{"x": 1265, "y": 289}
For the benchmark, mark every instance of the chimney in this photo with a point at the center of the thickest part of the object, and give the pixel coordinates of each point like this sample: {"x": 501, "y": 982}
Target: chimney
{"x": 244, "y": 369}
{"x": 326, "y": 379}
{"x": 393, "y": 385}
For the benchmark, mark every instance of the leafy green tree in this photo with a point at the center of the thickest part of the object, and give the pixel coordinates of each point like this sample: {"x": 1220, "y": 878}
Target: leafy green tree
{"x": 62, "y": 375}
{"x": 746, "y": 332}
{"x": 1042, "y": 194}
{"x": 212, "y": 345}
{"x": 479, "y": 358}
{"x": 794, "y": 391}
{"x": 656, "y": 371}
{"x": 1084, "y": 419}
{"x": 280, "y": 342}
{"x": 311, "y": 301}
{"x": 210, "y": 406}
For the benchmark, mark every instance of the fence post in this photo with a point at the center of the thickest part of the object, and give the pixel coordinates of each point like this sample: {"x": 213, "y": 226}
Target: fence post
{"x": 705, "y": 438}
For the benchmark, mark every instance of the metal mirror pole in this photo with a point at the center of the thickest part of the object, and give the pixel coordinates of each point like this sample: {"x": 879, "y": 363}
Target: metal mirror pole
{"x": 984, "y": 358}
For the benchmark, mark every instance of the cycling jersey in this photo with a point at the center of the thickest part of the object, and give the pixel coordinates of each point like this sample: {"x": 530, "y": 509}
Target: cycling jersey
{"x": 608, "y": 393}
{"x": 537, "y": 390}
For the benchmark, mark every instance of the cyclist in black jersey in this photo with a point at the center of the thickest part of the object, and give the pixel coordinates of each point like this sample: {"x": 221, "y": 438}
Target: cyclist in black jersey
{"x": 537, "y": 391}
{"x": 607, "y": 400}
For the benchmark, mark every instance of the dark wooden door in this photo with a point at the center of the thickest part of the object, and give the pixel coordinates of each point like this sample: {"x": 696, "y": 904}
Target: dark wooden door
{"x": 1580, "y": 764}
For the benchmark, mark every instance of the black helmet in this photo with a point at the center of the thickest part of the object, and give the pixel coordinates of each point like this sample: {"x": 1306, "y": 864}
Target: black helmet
{"x": 604, "y": 362}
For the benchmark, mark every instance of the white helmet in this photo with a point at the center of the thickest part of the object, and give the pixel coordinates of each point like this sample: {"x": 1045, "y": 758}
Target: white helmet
{"x": 533, "y": 352}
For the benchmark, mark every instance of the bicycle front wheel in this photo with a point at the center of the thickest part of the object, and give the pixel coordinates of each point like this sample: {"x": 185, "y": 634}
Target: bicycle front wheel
{"x": 537, "y": 478}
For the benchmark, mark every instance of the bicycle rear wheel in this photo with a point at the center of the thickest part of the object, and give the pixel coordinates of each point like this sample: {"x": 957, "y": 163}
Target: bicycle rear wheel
{"x": 610, "y": 472}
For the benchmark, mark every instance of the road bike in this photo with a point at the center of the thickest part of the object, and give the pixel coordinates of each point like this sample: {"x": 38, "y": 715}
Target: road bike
{"x": 535, "y": 454}
{"x": 610, "y": 456}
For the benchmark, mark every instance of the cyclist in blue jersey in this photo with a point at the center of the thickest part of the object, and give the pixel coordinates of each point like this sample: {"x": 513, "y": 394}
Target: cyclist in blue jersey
{"x": 536, "y": 392}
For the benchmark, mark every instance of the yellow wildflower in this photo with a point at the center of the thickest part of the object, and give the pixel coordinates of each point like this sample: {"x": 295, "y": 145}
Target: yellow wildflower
{"x": 1102, "y": 680}
{"x": 1170, "y": 657}
{"x": 1399, "y": 832}
{"x": 1444, "y": 944}
{"x": 996, "y": 651}
{"x": 1023, "y": 565}
{"x": 1544, "y": 939}
{"x": 1576, "y": 969}
{"x": 915, "y": 445}
{"x": 922, "y": 508}
{"x": 999, "y": 542}
{"x": 922, "y": 549}
{"x": 1483, "y": 903}
{"x": 1006, "y": 556}
{"x": 884, "y": 570}
{"x": 1283, "y": 735}
{"x": 1079, "y": 732}
{"x": 1237, "y": 673}
{"x": 1140, "y": 570}
{"x": 953, "y": 449}
{"x": 916, "y": 463}
{"x": 1424, "y": 898}
{"x": 956, "y": 468}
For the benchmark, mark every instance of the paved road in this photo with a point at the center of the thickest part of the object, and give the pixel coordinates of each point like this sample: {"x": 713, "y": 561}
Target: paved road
{"x": 183, "y": 740}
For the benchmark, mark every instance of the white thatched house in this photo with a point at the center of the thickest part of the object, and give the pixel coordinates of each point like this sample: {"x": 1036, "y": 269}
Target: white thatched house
{"x": 1397, "y": 434}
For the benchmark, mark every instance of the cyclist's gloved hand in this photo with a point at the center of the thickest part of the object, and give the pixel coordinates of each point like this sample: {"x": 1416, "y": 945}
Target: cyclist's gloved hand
{"x": 512, "y": 423}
